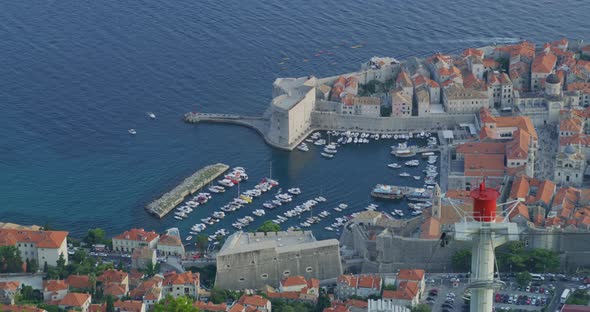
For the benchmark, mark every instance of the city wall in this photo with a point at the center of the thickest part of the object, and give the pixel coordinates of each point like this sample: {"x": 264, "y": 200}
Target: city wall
{"x": 333, "y": 121}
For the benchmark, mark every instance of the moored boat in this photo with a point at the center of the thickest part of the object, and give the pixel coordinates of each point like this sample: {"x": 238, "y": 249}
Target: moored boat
{"x": 387, "y": 192}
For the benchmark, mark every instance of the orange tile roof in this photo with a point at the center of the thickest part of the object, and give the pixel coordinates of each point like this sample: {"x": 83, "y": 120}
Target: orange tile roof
{"x": 54, "y": 285}
{"x": 10, "y": 285}
{"x": 545, "y": 192}
{"x": 138, "y": 235}
{"x": 520, "y": 209}
{"x": 114, "y": 290}
{"x": 289, "y": 295}
{"x": 403, "y": 80}
{"x": 577, "y": 138}
{"x": 490, "y": 63}
{"x": 411, "y": 274}
{"x": 129, "y": 306}
{"x": 474, "y": 52}
{"x": 257, "y": 301}
{"x": 361, "y": 304}
{"x": 148, "y": 289}
{"x": 182, "y": 278}
{"x": 430, "y": 229}
{"x": 405, "y": 291}
{"x": 74, "y": 300}
{"x": 42, "y": 239}
{"x": 481, "y": 148}
{"x": 78, "y": 281}
{"x": 518, "y": 148}
{"x": 361, "y": 281}
{"x": 20, "y": 308}
{"x": 313, "y": 283}
{"x": 293, "y": 281}
{"x": 484, "y": 165}
{"x": 579, "y": 86}
{"x": 210, "y": 306}
{"x": 520, "y": 188}
{"x": 572, "y": 124}
{"x": 169, "y": 240}
{"x": 236, "y": 308}
{"x": 113, "y": 276}
{"x": 336, "y": 309}
{"x": 544, "y": 62}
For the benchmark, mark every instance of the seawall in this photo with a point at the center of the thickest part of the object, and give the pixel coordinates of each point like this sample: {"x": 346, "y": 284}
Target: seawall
{"x": 163, "y": 205}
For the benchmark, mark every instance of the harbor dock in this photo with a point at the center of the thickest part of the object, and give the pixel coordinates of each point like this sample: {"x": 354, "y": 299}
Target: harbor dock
{"x": 163, "y": 205}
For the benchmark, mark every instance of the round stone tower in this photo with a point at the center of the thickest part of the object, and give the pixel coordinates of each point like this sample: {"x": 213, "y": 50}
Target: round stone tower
{"x": 552, "y": 85}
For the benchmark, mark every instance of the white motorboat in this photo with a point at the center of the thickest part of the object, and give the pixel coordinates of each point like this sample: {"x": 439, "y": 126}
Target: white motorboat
{"x": 319, "y": 142}
{"x": 343, "y": 206}
{"x": 404, "y": 174}
{"x": 399, "y": 212}
{"x": 330, "y": 150}
{"x": 294, "y": 191}
{"x": 303, "y": 147}
{"x": 394, "y": 166}
{"x": 132, "y": 131}
{"x": 327, "y": 155}
{"x": 189, "y": 238}
{"x": 151, "y": 115}
{"x": 226, "y": 182}
{"x": 416, "y": 177}
{"x": 177, "y": 218}
{"x": 329, "y": 228}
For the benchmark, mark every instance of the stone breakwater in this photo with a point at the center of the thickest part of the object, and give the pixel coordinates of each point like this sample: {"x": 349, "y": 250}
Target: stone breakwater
{"x": 163, "y": 205}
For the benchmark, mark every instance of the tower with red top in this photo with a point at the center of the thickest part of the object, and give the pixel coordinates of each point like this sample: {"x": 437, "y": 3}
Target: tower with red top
{"x": 486, "y": 231}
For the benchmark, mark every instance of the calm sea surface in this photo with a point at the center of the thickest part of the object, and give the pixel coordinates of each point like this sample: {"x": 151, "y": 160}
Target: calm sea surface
{"x": 75, "y": 75}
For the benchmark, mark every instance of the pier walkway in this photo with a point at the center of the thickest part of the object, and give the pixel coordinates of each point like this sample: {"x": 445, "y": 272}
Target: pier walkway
{"x": 163, "y": 205}
{"x": 260, "y": 124}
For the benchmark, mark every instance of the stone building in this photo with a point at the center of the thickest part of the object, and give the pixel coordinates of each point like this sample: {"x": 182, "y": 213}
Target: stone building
{"x": 361, "y": 106}
{"x": 401, "y": 104}
{"x": 253, "y": 260}
{"x": 569, "y": 167}
{"x": 291, "y": 107}
{"x": 135, "y": 238}
{"x": 457, "y": 99}
{"x": 45, "y": 247}
{"x": 181, "y": 284}
{"x": 170, "y": 245}
{"x": 422, "y": 101}
{"x": 500, "y": 90}
{"x": 543, "y": 65}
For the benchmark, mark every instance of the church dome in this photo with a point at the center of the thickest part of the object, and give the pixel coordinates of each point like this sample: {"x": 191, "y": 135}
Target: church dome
{"x": 570, "y": 149}
{"x": 552, "y": 78}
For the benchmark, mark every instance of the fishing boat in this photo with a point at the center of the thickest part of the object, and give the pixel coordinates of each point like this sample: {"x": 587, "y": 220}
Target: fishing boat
{"x": 327, "y": 155}
{"x": 319, "y": 142}
{"x": 330, "y": 150}
{"x": 386, "y": 192}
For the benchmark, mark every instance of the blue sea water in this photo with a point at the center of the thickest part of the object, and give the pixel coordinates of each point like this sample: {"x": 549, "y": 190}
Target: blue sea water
{"x": 75, "y": 75}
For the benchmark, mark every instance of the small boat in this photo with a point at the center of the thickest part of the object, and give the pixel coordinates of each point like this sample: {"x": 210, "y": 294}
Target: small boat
{"x": 132, "y": 131}
{"x": 303, "y": 147}
{"x": 151, "y": 115}
{"x": 394, "y": 166}
{"x": 177, "y": 218}
{"x": 343, "y": 206}
{"x": 416, "y": 177}
{"x": 329, "y": 228}
{"x": 189, "y": 238}
{"x": 327, "y": 155}
{"x": 294, "y": 191}
{"x": 399, "y": 212}
{"x": 319, "y": 142}
{"x": 404, "y": 174}
{"x": 330, "y": 150}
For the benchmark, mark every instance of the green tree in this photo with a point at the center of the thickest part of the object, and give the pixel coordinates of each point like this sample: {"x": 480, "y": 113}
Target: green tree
{"x": 543, "y": 260}
{"x": 10, "y": 260}
{"x": 110, "y": 303}
{"x": 47, "y": 227}
{"x": 580, "y": 297}
{"x": 94, "y": 236}
{"x": 461, "y": 261}
{"x": 33, "y": 266}
{"x": 268, "y": 226}
{"x": 420, "y": 308}
{"x": 523, "y": 278}
{"x": 218, "y": 295}
{"x": 323, "y": 302}
{"x": 151, "y": 269}
{"x": 207, "y": 273}
{"x": 390, "y": 287}
{"x": 201, "y": 242}
{"x": 61, "y": 266}
{"x": 180, "y": 304}
{"x": 28, "y": 295}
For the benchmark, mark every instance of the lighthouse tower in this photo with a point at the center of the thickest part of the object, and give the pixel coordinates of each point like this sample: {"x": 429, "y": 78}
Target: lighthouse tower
{"x": 486, "y": 232}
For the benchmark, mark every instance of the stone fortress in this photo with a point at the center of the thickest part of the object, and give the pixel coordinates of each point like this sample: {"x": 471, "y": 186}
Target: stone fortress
{"x": 253, "y": 260}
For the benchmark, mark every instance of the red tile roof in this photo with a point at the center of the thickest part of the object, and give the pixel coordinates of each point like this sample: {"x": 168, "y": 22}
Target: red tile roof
{"x": 361, "y": 281}
{"x": 181, "y": 279}
{"x": 74, "y": 300}
{"x": 337, "y": 309}
{"x": 411, "y": 274}
{"x": 169, "y": 240}
{"x": 482, "y": 148}
{"x": 20, "y": 308}
{"x": 54, "y": 285}
{"x": 237, "y": 308}
{"x": 114, "y": 290}
{"x": 78, "y": 281}
{"x": 520, "y": 209}
{"x": 361, "y": 304}
{"x": 571, "y": 124}
{"x": 474, "y": 52}
{"x": 544, "y": 63}
{"x": 403, "y": 80}
{"x": 113, "y": 276}
{"x": 42, "y": 239}
{"x": 484, "y": 165}
{"x": 257, "y": 301}
{"x": 210, "y": 306}
{"x": 138, "y": 235}
{"x": 405, "y": 291}
{"x": 129, "y": 306}
{"x": 10, "y": 285}
{"x": 293, "y": 281}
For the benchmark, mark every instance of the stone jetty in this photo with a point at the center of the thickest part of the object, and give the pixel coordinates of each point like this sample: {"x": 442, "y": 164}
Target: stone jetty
{"x": 163, "y": 205}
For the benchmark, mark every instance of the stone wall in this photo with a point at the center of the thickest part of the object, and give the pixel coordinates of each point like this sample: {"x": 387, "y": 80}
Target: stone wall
{"x": 257, "y": 268}
{"x": 332, "y": 121}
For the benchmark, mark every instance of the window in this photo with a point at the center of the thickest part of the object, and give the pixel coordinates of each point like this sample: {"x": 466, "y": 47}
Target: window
{"x": 275, "y": 259}
{"x": 308, "y": 269}
{"x": 242, "y": 279}
{"x": 287, "y": 273}
{"x": 252, "y": 262}
{"x": 227, "y": 266}
{"x": 264, "y": 276}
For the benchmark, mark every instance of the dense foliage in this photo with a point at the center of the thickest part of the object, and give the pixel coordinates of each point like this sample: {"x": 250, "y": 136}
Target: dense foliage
{"x": 269, "y": 226}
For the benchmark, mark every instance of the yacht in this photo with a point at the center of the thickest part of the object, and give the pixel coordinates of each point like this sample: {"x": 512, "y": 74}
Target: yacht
{"x": 226, "y": 182}
{"x": 151, "y": 115}
{"x": 132, "y": 131}
{"x": 319, "y": 142}
{"x": 303, "y": 147}
{"x": 416, "y": 177}
{"x": 394, "y": 166}
{"x": 177, "y": 218}
{"x": 327, "y": 155}
{"x": 330, "y": 150}
{"x": 343, "y": 206}
{"x": 404, "y": 174}
{"x": 399, "y": 212}
{"x": 294, "y": 191}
